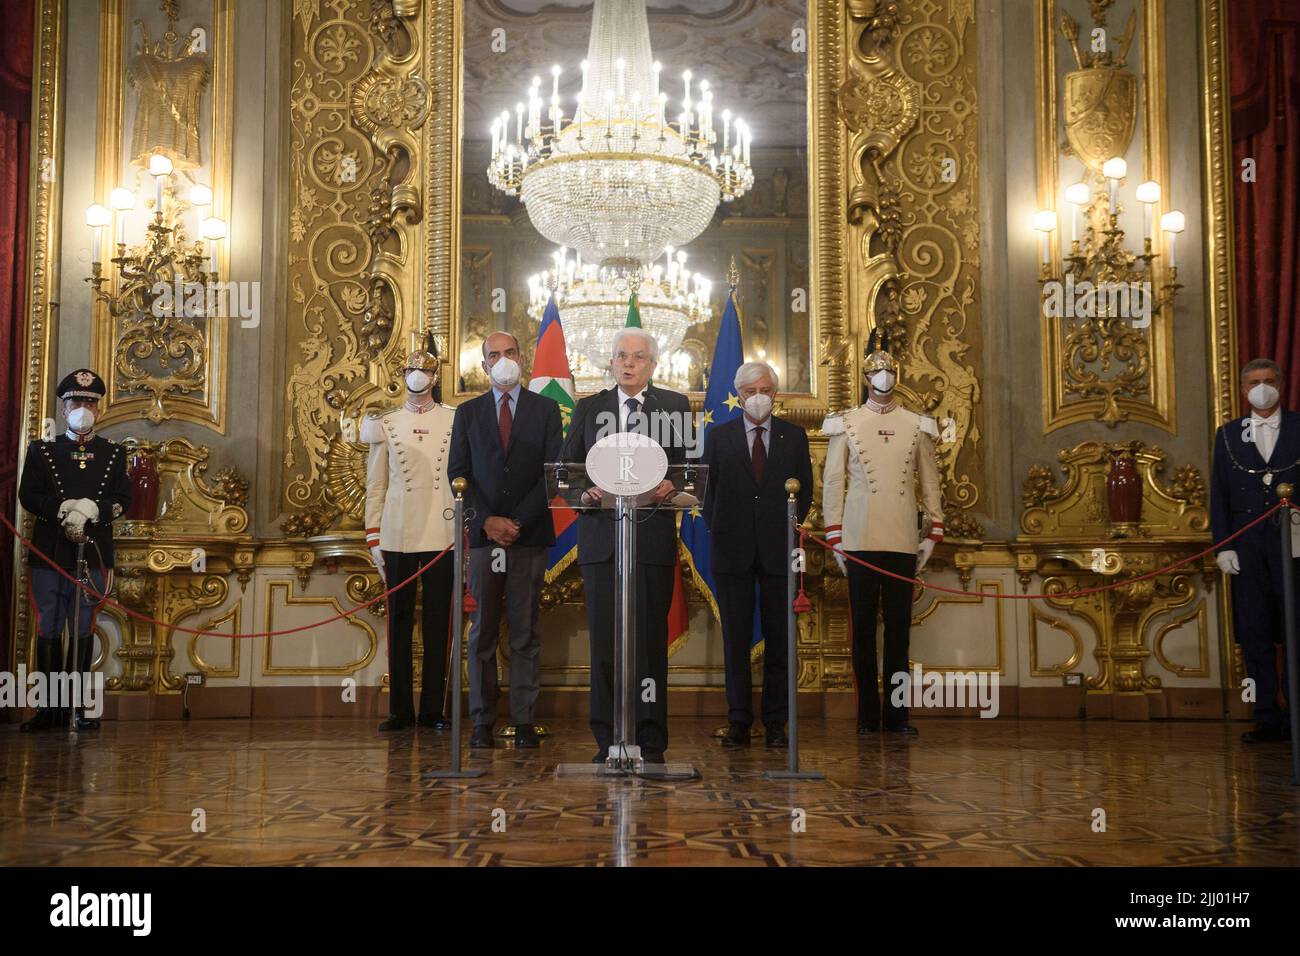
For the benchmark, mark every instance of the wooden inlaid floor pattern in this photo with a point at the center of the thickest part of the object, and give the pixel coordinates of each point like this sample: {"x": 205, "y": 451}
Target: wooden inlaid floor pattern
{"x": 334, "y": 792}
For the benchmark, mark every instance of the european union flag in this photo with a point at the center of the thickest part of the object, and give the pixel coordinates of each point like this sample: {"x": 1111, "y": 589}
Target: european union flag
{"x": 721, "y": 404}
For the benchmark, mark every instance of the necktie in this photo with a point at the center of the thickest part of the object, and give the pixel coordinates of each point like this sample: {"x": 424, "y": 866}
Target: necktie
{"x": 633, "y": 406}
{"x": 759, "y": 454}
{"x": 505, "y": 422}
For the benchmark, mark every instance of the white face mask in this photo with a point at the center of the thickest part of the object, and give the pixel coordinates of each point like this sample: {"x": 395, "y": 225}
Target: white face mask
{"x": 81, "y": 420}
{"x": 505, "y": 373}
{"x": 882, "y": 381}
{"x": 417, "y": 381}
{"x": 758, "y": 406}
{"x": 1262, "y": 396}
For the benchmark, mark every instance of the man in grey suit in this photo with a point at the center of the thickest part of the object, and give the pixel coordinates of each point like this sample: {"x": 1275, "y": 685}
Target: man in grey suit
{"x": 499, "y": 443}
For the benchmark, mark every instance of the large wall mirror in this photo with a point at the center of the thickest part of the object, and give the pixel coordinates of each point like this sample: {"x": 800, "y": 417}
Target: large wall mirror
{"x": 565, "y": 193}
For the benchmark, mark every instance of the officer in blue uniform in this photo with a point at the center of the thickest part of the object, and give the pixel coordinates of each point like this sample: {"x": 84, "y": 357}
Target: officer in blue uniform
{"x": 1252, "y": 456}
{"x": 75, "y": 486}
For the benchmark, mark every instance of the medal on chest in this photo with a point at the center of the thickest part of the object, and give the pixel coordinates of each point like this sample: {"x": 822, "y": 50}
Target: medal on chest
{"x": 886, "y": 433}
{"x": 81, "y": 456}
{"x": 1268, "y": 478}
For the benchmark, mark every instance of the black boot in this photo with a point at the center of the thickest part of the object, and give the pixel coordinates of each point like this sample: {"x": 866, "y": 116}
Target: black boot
{"x": 48, "y": 658}
{"x": 85, "y": 654}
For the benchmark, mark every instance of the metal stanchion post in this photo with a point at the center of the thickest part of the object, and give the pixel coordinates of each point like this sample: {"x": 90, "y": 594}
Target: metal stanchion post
{"x": 793, "y": 557}
{"x": 458, "y": 486}
{"x": 75, "y": 645}
{"x": 1284, "y": 492}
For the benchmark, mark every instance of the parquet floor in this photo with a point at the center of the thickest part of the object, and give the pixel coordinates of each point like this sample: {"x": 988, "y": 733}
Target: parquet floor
{"x": 334, "y": 792}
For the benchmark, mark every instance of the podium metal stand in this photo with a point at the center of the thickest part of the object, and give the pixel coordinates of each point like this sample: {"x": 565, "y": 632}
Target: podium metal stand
{"x": 566, "y": 482}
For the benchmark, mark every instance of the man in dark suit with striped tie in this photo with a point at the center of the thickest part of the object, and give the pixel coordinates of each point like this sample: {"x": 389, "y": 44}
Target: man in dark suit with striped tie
{"x": 499, "y": 444}
{"x": 750, "y": 458}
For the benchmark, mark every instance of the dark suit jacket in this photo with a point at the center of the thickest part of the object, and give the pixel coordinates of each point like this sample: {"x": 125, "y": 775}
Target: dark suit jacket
{"x": 656, "y": 536}
{"x": 507, "y": 482}
{"x": 746, "y": 518}
{"x": 1236, "y": 495}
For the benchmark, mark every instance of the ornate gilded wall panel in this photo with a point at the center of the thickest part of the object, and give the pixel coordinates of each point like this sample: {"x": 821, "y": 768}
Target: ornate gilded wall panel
{"x": 1221, "y": 300}
{"x": 44, "y": 245}
{"x": 910, "y": 105}
{"x": 1097, "y": 369}
{"x": 165, "y": 71}
{"x": 359, "y": 103}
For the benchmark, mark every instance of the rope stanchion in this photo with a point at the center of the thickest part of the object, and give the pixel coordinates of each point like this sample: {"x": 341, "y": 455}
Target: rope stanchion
{"x": 1079, "y": 592}
{"x": 107, "y": 601}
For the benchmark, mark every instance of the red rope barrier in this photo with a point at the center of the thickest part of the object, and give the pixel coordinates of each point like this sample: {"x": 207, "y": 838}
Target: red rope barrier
{"x": 1123, "y": 582}
{"x": 104, "y": 599}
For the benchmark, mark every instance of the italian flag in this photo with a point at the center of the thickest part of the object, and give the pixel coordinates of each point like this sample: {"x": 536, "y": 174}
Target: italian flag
{"x": 678, "y": 612}
{"x": 553, "y": 378}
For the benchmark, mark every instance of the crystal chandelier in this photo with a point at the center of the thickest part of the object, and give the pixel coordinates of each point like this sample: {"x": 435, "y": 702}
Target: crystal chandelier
{"x": 619, "y": 181}
{"x": 593, "y": 300}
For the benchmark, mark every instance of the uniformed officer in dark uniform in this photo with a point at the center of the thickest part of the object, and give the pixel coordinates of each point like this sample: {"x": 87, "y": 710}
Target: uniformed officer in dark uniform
{"x": 75, "y": 486}
{"x": 1252, "y": 456}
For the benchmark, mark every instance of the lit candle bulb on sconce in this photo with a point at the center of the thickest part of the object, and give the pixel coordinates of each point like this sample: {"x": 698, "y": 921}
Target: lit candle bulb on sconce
{"x": 1173, "y": 222}
{"x": 1114, "y": 170}
{"x": 1077, "y": 195}
{"x": 97, "y": 217}
{"x": 213, "y": 230}
{"x": 122, "y": 201}
{"x": 160, "y": 167}
{"x": 1148, "y": 194}
{"x": 1044, "y": 223}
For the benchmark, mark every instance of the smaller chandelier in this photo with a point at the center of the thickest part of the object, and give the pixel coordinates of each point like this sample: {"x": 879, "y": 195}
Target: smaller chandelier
{"x": 593, "y": 304}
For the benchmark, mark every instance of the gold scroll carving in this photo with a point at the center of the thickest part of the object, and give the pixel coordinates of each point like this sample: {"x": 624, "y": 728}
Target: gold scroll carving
{"x": 909, "y": 102}
{"x": 1070, "y": 543}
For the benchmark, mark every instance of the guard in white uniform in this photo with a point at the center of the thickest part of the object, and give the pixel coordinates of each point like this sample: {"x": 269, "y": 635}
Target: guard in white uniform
{"x": 877, "y": 456}
{"x": 408, "y": 521}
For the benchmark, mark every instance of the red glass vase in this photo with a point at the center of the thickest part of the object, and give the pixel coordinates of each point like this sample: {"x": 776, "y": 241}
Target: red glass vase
{"x": 1124, "y": 489}
{"x": 143, "y": 472}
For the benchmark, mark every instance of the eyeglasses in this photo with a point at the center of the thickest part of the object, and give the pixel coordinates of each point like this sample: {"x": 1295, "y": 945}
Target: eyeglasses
{"x": 638, "y": 357}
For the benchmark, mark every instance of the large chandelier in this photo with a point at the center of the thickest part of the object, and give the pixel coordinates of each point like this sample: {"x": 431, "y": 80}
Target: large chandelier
{"x": 594, "y": 300}
{"x": 621, "y": 179}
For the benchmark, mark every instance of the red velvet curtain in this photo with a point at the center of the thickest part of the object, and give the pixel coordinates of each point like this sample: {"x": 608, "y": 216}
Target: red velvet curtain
{"x": 1264, "y": 73}
{"x": 16, "y": 45}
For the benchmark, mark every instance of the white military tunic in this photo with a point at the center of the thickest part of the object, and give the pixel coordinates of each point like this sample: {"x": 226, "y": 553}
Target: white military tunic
{"x": 408, "y": 494}
{"x": 873, "y": 460}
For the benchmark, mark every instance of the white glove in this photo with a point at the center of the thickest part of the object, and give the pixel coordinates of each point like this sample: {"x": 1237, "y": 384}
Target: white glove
{"x": 923, "y": 553}
{"x": 66, "y": 507}
{"x": 86, "y": 507}
{"x": 844, "y": 566}
{"x": 74, "y": 526}
{"x": 378, "y": 555}
{"x": 1228, "y": 562}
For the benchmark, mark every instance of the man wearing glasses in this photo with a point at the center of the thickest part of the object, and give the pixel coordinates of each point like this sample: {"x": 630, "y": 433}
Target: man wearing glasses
{"x": 633, "y": 404}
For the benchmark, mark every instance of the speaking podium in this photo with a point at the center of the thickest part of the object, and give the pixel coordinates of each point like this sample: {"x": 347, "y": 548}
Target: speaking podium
{"x": 626, "y": 467}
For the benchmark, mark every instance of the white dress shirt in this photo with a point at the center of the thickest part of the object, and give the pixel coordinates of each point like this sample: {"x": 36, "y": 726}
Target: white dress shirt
{"x": 623, "y": 409}
{"x": 1265, "y": 431}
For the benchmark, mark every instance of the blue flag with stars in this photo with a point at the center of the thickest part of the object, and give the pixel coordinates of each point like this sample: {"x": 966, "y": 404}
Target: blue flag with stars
{"x": 721, "y": 404}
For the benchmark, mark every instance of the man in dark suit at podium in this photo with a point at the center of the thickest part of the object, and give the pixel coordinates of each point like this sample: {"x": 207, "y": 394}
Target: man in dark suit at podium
{"x": 750, "y": 458}
{"x": 500, "y": 442}
{"x": 1252, "y": 456}
{"x": 632, "y": 405}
